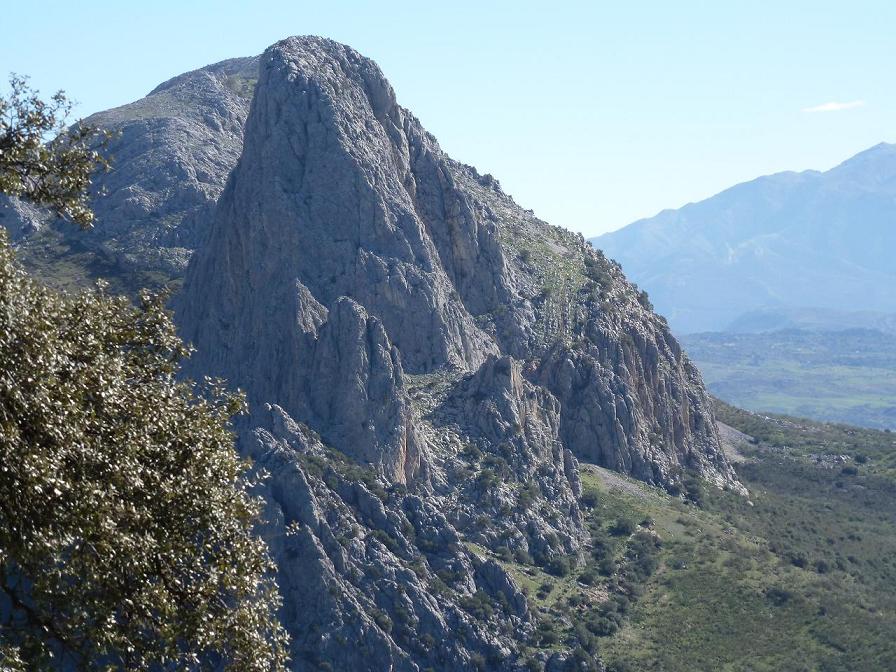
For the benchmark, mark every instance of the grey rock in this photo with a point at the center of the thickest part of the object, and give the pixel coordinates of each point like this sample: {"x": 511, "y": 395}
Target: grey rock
{"x": 355, "y": 393}
{"x": 339, "y": 192}
{"x": 508, "y": 433}
{"x": 357, "y": 587}
{"x": 171, "y": 154}
{"x": 630, "y": 398}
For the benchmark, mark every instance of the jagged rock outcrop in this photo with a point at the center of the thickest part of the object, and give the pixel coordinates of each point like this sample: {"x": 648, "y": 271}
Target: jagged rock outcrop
{"x": 355, "y": 393}
{"x": 507, "y": 430}
{"x": 321, "y": 194}
{"x": 630, "y": 399}
{"x": 171, "y": 154}
{"x": 376, "y": 579}
{"x": 339, "y": 192}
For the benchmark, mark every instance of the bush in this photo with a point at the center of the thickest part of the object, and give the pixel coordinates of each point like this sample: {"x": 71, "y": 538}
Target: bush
{"x": 778, "y": 596}
{"x": 589, "y": 498}
{"x": 521, "y": 555}
{"x": 138, "y": 488}
{"x": 546, "y": 634}
{"x": 478, "y": 662}
{"x": 622, "y": 528}
{"x": 559, "y": 566}
{"x": 479, "y": 605}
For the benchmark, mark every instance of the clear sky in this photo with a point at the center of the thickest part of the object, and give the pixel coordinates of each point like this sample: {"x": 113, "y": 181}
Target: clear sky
{"x": 594, "y": 114}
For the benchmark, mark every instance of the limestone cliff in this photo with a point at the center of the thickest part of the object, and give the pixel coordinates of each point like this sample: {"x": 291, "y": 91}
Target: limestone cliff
{"x": 339, "y": 192}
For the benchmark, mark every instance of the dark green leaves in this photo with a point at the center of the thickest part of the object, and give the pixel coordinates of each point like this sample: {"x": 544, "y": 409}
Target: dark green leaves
{"x": 41, "y": 159}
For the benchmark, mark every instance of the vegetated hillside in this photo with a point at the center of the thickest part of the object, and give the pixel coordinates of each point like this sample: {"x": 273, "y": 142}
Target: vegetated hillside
{"x": 784, "y": 241}
{"x": 837, "y": 376}
{"x": 171, "y": 153}
{"x": 798, "y": 577}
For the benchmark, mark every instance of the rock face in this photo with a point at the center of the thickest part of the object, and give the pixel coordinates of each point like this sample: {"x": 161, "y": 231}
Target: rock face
{"x": 426, "y": 361}
{"x": 357, "y": 566}
{"x": 630, "y": 399}
{"x": 172, "y": 152}
{"x": 339, "y": 193}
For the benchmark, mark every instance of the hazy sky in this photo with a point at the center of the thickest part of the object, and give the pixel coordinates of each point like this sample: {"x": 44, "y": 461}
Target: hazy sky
{"x": 593, "y": 114}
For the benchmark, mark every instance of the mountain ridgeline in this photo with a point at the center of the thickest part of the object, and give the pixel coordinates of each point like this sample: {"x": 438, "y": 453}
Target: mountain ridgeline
{"x": 426, "y": 362}
{"x": 781, "y": 246}
{"x": 171, "y": 153}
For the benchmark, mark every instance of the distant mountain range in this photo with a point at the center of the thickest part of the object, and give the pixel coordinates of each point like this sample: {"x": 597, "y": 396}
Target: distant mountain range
{"x": 784, "y": 247}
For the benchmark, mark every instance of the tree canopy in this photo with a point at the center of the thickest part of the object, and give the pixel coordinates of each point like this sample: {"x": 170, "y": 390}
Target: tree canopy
{"x": 126, "y": 525}
{"x": 43, "y": 160}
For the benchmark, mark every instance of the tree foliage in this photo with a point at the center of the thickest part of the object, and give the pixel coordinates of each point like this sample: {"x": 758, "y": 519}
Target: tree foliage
{"x": 126, "y": 527}
{"x": 41, "y": 159}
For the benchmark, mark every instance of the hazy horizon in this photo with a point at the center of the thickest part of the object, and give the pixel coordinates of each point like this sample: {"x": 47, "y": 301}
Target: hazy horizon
{"x": 588, "y": 126}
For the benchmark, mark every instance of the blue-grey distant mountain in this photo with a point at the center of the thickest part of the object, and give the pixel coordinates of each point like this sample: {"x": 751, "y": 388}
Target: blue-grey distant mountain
{"x": 821, "y": 240}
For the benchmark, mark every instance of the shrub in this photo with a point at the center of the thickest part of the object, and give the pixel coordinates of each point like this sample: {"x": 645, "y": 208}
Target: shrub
{"x": 479, "y": 605}
{"x": 559, "y": 566}
{"x": 778, "y": 596}
{"x": 622, "y": 528}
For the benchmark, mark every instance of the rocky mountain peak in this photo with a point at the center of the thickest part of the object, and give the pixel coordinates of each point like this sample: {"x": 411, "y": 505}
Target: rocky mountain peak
{"x": 345, "y": 227}
{"x": 425, "y": 360}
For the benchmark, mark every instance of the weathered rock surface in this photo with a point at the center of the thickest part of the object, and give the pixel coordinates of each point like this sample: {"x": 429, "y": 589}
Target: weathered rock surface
{"x": 375, "y": 579}
{"x": 508, "y": 433}
{"x": 425, "y": 360}
{"x": 339, "y": 192}
{"x": 172, "y": 152}
{"x": 630, "y": 399}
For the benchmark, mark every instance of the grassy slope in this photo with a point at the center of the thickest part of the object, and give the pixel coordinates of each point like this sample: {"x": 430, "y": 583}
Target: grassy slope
{"x": 798, "y": 578}
{"x": 845, "y": 376}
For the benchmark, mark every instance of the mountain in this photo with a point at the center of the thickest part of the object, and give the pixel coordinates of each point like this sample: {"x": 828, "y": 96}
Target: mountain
{"x": 785, "y": 241}
{"x": 426, "y": 362}
{"x": 171, "y": 154}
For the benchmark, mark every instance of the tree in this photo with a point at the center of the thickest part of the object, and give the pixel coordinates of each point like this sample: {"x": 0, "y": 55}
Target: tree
{"x": 43, "y": 160}
{"x": 126, "y": 527}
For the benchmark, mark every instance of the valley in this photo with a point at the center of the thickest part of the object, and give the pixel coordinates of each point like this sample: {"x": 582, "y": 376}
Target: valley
{"x": 836, "y": 376}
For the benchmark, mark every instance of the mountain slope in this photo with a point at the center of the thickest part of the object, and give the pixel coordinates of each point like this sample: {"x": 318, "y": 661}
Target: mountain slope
{"x": 790, "y": 240}
{"x": 171, "y": 153}
{"x": 426, "y": 361}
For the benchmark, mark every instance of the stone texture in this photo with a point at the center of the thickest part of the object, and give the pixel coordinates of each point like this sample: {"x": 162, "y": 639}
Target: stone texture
{"x": 358, "y": 589}
{"x": 425, "y": 360}
{"x": 171, "y": 154}
{"x": 339, "y": 192}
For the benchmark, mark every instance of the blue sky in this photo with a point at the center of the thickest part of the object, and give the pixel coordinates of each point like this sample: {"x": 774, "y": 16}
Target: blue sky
{"x": 593, "y": 114}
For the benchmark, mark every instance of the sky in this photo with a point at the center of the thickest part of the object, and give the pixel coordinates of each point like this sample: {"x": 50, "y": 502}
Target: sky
{"x": 593, "y": 114}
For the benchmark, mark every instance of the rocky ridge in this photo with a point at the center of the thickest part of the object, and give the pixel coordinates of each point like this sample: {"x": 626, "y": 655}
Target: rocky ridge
{"x": 387, "y": 307}
{"x": 171, "y": 154}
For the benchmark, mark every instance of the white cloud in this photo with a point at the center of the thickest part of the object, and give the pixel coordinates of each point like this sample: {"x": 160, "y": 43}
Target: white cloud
{"x": 835, "y": 106}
